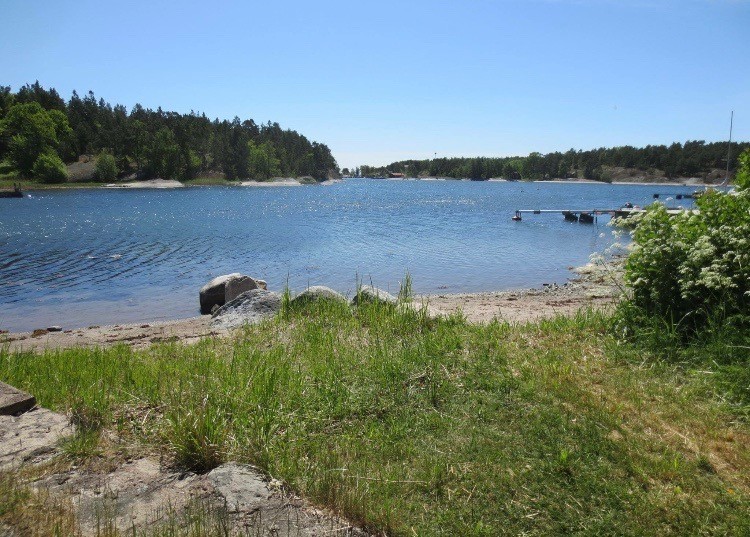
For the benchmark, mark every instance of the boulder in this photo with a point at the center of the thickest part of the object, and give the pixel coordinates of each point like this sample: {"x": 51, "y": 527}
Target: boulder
{"x": 261, "y": 284}
{"x": 317, "y": 293}
{"x": 236, "y": 286}
{"x": 250, "y": 307}
{"x": 214, "y": 291}
{"x": 369, "y": 294}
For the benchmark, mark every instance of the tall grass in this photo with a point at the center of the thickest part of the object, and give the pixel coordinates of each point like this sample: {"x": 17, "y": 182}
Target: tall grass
{"x": 407, "y": 424}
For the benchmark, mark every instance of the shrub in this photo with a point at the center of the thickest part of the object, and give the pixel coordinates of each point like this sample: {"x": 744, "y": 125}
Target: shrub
{"x": 694, "y": 269}
{"x": 106, "y": 168}
{"x": 49, "y": 168}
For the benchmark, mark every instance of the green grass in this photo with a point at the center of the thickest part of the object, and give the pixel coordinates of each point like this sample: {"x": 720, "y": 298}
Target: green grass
{"x": 409, "y": 425}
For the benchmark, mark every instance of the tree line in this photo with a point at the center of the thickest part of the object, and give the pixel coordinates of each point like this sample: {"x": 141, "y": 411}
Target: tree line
{"x": 693, "y": 158}
{"x": 39, "y": 131}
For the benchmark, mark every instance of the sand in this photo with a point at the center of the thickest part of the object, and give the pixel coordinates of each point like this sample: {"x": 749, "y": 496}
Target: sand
{"x": 153, "y": 183}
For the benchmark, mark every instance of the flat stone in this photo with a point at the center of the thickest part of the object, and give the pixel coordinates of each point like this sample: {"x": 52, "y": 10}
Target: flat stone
{"x": 14, "y": 401}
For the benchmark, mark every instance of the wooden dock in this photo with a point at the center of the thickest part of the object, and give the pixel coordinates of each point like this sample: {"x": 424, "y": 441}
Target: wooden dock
{"x": 588, "y": 216}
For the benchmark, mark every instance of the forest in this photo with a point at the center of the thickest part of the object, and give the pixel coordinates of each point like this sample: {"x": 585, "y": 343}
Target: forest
{"x": 40, "y": 132}
{"x": 691, "y": 159}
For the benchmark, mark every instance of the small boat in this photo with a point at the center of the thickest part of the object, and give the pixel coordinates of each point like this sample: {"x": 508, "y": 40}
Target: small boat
{"x": 586, "y": 218}
{"x": 570, "y": 217}
{"x": 15, "y": 193}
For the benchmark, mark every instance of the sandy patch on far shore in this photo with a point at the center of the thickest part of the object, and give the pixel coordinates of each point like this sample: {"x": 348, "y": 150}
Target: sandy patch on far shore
{"x": 273, "y": 182}
{"x": 153, "y": 183}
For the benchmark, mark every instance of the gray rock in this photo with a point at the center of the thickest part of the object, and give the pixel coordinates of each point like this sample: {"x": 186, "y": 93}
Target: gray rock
{"x": 242, "y": 487}
{"x": 369, "y": 294}
{"x": 262, "y": 284}
{"x": 54, "y": 329}
{"x": 316, "y": 293}
{"x": 250, "y": 307}
{"x": 236, "y": 286}
{"x": 14, "y": 401}
{"x": 214, "y": 291}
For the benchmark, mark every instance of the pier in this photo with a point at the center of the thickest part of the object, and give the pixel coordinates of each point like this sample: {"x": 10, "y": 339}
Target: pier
{"x": 588, "y": 216}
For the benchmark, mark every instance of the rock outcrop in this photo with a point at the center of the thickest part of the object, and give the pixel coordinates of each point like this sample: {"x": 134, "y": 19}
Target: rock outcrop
{"x": 249, "y": 308}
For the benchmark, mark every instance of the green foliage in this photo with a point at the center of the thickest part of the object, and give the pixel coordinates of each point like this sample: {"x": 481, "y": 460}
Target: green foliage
{"x": 30, "y": 131}
{"x": 743, "y": 174}
{"x": 106, "y": 167}
{"x": 687, "y": 160}
{"x": 151, "y": 142}
{"x": 693, "y": 268}
{"x": 48, "y": 168}
{"x": 262, "y": 162}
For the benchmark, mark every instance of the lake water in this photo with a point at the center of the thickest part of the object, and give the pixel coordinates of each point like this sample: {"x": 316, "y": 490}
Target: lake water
{"x": 83, "y": 257}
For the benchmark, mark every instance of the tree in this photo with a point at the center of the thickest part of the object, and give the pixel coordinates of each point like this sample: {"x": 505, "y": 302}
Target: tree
{"x": 49, "y": 168}
{"x": 106, "y": 168}
{"x": 31, "y": 131}
{"x": 261, "y": 162}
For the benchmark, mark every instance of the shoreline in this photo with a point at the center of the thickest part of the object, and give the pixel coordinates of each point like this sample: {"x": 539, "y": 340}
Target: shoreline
{"x": 291, "y": 182}
{"x": 593, "y": 285}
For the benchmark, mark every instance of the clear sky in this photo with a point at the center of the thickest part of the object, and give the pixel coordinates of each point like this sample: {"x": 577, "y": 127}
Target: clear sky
{"x": 387, "y": 80}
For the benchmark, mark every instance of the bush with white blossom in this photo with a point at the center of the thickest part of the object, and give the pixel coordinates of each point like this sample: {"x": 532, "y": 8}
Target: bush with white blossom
{"x": 694, "y": 268}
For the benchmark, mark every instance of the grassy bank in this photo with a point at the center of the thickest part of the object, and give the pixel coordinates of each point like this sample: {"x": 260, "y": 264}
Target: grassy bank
{"x": 431, "y": 427}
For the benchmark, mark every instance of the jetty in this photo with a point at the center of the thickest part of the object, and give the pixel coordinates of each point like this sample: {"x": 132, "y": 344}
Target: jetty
{"x": 589, "y": 216}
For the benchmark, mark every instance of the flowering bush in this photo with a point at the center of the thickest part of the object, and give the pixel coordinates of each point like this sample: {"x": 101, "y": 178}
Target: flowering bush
{"x": 694, "y": 268}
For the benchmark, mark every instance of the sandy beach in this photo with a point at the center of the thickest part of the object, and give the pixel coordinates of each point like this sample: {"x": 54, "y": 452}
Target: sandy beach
{"x": 594, "y": 285}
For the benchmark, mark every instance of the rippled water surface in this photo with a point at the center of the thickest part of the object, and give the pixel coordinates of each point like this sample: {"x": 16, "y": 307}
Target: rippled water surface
{"x": 83, "y": 257}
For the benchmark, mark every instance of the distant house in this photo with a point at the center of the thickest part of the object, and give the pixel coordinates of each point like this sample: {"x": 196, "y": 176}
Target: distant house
{"x": 395, "y": 175}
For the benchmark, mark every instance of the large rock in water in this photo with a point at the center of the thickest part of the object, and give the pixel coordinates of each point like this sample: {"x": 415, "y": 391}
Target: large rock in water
{"x": 213, "y": 293}
{"x": 250, "y": 307}
{"x": 317, "y": 293}
{"x": 368, "y": 294}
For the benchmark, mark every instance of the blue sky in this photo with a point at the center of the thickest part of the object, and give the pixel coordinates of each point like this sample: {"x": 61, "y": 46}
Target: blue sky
{"x": 384, "y": 81}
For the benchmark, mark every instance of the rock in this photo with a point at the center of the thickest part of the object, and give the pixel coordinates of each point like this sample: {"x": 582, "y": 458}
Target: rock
{"x": 316, "y": 293}
{"x": 32, "y": 437}
{"x": 250, "y": 307}
{"x": 369, "y": 294}
{"x": 213, "y": 292}
{"x": 54, "y": 329}
{"x": 242, "y": 487}
{"x": 261, "y": 284}
{"x": 236, "y": 286}
{"x": 14, "y": 401}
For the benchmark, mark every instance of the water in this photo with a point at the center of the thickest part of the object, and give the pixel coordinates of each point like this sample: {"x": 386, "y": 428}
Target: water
{"x": 77, "y": 258}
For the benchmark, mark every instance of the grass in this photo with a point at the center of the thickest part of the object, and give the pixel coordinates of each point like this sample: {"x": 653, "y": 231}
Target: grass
{"x": 410, "y": 425}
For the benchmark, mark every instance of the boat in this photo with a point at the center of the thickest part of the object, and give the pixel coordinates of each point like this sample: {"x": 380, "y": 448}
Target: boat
{"x": 570, "y": 216}
{"x": 15, "y": 193}
{"x": 586, "y": 218}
